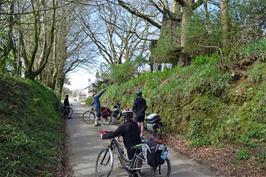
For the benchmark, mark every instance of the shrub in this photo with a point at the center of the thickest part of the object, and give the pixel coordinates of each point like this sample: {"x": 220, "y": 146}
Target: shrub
{"x": 258, "y": 47}
{"x": 257, "y": 73}
{"x": 242, "y": 155}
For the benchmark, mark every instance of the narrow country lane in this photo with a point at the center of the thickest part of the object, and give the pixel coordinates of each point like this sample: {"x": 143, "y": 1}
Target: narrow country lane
{"x": 83, "y": 145}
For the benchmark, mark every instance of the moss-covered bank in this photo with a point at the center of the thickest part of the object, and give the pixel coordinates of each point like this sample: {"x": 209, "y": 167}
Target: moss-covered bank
{"x": 31, "y": 135}
{"x": 203, "y": 104}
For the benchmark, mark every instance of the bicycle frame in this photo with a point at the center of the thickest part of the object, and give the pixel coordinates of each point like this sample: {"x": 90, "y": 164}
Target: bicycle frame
{"x": 127, "y": 164}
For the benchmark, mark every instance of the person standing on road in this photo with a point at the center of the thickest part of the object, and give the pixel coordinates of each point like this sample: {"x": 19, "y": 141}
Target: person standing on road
{"x": 139, "y": 108}
{"x": 66, "y": 106}
{"x": 66, "y": 101}
{"x": 97, "y": 106}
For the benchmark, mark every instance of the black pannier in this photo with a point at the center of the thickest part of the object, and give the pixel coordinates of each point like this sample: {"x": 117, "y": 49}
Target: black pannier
{"x": 155, "y": 153}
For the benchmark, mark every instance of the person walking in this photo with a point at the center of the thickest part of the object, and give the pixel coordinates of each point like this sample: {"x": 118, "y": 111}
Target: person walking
{"x": 139, "y": 108}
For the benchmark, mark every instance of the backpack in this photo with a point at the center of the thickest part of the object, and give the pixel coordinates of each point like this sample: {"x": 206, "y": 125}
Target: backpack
{"x": 156, "y": 153}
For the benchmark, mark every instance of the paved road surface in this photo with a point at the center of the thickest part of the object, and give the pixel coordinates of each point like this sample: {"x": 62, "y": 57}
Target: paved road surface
{"x": 83, "y": 145}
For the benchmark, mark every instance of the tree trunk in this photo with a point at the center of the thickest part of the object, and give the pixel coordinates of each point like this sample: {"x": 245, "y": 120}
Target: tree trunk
{"x": 225, "y": 22}
{"x": 185, "y": 24}
{"x": 186, "y": 18}
{"x": 33, "y": 68}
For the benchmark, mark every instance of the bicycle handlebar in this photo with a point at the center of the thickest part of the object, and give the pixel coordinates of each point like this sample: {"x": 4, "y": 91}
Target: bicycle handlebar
{"x": 104, "y": 131}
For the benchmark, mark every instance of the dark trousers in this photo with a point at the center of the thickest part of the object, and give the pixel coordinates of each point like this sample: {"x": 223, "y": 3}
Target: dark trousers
{"x": 130, "y": 153}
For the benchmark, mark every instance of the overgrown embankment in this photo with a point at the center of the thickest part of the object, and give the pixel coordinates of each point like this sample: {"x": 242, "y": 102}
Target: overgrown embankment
{"x": 31, "y": 134}
{"x": 207, "y": 106}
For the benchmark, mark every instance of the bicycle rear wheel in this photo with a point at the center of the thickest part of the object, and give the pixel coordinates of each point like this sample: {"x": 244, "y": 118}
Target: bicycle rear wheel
{"x": 163, "y": 170}
{"x": 104, "y": 163}
{"x": 106, "y": 121}
{"x": 70, "y": 112}
{"x": 88, "y": 117}
{"x": 146, "y": 170}
{"x": 159, "y": 131}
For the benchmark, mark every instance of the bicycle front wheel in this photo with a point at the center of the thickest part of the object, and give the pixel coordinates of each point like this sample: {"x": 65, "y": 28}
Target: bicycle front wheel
{"x": 104, "y": 163}
{"x": 88, "y": 117}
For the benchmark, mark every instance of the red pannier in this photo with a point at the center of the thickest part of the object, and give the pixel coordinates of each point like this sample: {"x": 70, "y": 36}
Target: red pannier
{"x": 106, "y": 112}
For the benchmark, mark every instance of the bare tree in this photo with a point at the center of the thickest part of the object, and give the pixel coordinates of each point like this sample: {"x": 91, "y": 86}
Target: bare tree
{"x": 117, "y": 34}
{"x": 71, "y": 49}
{"x": 170, "y": 21}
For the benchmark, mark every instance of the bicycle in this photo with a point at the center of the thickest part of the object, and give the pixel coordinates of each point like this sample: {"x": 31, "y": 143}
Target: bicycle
{"x": 137, "y": 166}
{"x": 67, "y": 112}
{"x": 89, "y": 116}
{"x": 153, "y": 124}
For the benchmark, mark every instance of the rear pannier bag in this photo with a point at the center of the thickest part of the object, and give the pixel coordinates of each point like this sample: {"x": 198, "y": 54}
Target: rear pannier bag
{"x": 156, "y": 153}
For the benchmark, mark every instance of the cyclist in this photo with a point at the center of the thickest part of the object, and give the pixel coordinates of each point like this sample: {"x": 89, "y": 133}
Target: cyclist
{"x": 139, "y": 108}
{"x": 129, "y": 131}
{"x": 97, "y": 105}
{"x": 66, "y": 106}
{"x": 66, "y": 101}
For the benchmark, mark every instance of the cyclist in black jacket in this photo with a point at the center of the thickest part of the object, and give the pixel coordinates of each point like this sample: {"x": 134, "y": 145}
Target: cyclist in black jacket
{"x": 130, "y": 132}
{"x": 139, "y": 108}
{"x": 66, "y": 107}
{"x": 66, "y": 101}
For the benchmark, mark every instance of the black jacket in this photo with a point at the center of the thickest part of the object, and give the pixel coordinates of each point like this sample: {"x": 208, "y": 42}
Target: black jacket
{"x": 129, "y": 131}
{"x": 139, "y": 106}
{"x": 66, "y": 102}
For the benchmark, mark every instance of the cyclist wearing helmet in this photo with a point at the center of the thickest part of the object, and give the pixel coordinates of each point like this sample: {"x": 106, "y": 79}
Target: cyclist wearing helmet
{"x": 129, "y": 131}
{"x": 139, "y": 108}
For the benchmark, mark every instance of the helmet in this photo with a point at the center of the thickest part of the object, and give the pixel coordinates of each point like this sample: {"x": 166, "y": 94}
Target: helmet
{"x": 127, "y": 114}
{"x": 139, "y": 93}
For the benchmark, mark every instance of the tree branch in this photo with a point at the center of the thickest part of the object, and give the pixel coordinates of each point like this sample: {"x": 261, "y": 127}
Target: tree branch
{"x": 138, "y": 14}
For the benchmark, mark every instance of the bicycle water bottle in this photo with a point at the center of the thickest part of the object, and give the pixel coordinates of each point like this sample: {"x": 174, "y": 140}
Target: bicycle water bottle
{"x": 164, "y": 154}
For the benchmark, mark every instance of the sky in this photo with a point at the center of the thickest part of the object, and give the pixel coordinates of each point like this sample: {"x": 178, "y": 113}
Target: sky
{"x": 79, "y": 79}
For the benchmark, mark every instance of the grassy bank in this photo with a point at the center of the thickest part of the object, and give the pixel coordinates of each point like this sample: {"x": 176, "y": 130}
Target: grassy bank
{"x": 31, "y": 134}
{"x": 205, "y": 105}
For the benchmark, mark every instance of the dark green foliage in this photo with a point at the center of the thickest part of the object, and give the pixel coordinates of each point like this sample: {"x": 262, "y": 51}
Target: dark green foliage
{"x": 242, "y": 155}
{"x": 30, "y": 129}
{"x": 256, "y": 47}
{"x": 122, "y": 72}
{"x": 118, "y": 73}
{"x": 167, "y": 49}
{"x": 257, "y": 73}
